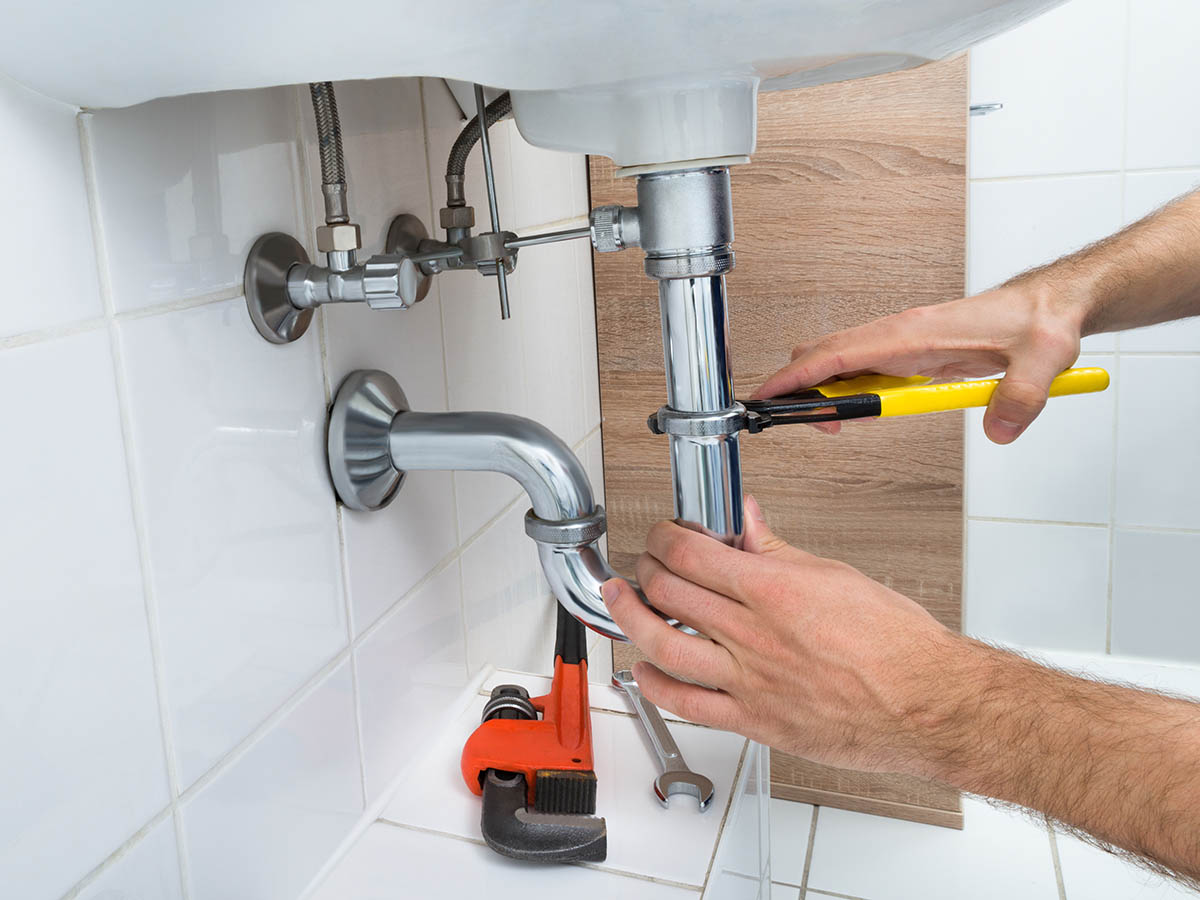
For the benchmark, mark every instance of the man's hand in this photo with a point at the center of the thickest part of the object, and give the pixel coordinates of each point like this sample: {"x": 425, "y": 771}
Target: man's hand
{"x": 812, "y": 657}
{"x": 1025, "y": 331}
{"x": 806, "y": 654}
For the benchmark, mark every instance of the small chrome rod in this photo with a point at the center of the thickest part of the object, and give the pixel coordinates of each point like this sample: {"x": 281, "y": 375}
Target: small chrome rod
{"x": 486, "y": 146}
{"x": 550, "y": 237}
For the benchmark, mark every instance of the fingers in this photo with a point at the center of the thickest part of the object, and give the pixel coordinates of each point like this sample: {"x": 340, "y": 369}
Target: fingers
{"x": 1020, "y": 397}
{"x": 701, "y": 559}
{"x": 857, "y": 349}
{"x": 713, "y": 614}
{"x": 688, "y": 655}
{"x": 690, "y": 701}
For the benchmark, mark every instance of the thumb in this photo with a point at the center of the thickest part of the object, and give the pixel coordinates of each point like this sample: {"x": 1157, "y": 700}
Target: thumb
{"x": 1017, "y": 400}
{"x": 758, "y": 536}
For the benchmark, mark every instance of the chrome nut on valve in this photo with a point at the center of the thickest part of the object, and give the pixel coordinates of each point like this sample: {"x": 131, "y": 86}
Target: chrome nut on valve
{"x": 338, "y": 238}
{"x": 458, "y": 217}
{"x": 614, "y": 228}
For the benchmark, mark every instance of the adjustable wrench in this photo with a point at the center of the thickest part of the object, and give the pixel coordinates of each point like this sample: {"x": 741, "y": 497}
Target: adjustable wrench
{"x": 676, "y": 777}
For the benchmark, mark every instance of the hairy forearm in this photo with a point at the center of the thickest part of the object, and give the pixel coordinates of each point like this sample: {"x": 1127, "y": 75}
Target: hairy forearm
{"x": 1120, "y": 764}
{"x": 1146, "y": 274}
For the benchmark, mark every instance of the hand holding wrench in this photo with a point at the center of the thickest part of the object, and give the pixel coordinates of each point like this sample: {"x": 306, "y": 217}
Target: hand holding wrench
{"x": 676, "y": 777}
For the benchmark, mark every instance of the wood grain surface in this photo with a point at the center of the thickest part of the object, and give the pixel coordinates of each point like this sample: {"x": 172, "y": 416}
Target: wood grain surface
{"x": 852, "y": 208}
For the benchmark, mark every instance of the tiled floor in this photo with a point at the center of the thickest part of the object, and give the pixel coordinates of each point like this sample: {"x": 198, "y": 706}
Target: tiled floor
{"x": 1000, "y": 854}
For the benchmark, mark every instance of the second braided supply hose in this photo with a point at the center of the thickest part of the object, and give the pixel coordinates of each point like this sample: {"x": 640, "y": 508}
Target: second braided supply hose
{"x": 456, "y": 165}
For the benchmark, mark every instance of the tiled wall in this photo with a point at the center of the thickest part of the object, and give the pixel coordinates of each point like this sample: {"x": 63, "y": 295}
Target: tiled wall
{"x": 209, "y": 670}
{"x": 1081, "y": 535}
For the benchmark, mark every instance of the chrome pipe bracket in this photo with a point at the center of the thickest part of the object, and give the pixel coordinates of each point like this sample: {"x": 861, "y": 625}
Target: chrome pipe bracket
{"x": 672, "y": 421}
{"x": 570, "y": 532}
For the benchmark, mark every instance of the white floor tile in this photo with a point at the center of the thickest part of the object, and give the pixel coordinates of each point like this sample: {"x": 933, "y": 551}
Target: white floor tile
{"x": 81, "y": 757}
{"x": 784, "y": 892}
{"x": 724, "y": 884}
{"x": 392, "y": 863}
{"x": 186, "y": 184}
{"x": 1155, "y": 595}
{"x": 1037, "y": 585}
{"x": 410, "y": 670}
{"x": 1059, "y": 470}
{"x": 1161, "y": 58}
{"x": 228, "y": 435}
{"x": 684, "y": 839}
{"x": 999, "y": 855}
{"x": 1092, "y": 874}
{"x": 149, "y": 870}
{"x": 43, "y": 189}
{"x": 1063, "y": 69}
{"x": 1157, "y": 481}
{"x": 265, "y": 826}
{"x": 791, "y": 824}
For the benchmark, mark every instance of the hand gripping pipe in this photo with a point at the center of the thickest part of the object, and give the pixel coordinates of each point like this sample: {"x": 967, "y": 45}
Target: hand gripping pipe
{"x": 374, "y": 439}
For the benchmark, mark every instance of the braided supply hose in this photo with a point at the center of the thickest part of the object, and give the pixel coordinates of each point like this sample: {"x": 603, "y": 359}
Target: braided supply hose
{"x": 456, "y": 165}
{"x": 329, "y": 144}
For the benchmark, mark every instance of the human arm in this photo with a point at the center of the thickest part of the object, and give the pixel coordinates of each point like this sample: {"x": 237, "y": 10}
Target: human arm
{"x": 812, "y": 657}
{"x": 1029, "y": 328}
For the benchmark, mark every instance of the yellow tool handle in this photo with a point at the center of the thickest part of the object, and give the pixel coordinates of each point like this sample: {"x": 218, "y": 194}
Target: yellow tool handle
{"x": 904, "y": 398}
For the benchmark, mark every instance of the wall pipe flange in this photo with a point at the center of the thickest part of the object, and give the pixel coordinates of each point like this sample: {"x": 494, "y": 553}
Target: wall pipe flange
{"x": 360, "y": 421}
{"x": 265, "y": 284}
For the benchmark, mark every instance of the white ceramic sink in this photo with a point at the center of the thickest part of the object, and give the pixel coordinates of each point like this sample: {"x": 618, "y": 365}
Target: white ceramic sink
{"x": 643, "y": 81}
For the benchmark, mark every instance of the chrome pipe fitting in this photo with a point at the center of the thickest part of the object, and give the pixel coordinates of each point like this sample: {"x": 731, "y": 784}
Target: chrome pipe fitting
{"x": 374, "y": 439}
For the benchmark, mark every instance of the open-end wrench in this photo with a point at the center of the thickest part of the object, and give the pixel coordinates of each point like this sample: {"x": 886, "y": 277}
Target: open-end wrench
{"x": 676, "y": 777}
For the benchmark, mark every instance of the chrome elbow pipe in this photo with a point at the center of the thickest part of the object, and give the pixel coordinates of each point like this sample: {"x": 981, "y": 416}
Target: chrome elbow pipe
{"x": 374, "y": 439}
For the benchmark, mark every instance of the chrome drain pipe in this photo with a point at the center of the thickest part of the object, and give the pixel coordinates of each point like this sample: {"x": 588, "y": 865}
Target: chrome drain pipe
{"x": 374, "y": 439}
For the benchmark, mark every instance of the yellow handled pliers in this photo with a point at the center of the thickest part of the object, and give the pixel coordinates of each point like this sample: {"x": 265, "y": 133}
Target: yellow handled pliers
{"x": 874, "y": 396}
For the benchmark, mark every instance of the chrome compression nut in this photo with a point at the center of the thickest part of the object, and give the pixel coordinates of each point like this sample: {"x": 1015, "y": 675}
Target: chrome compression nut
{"x": 457, "y": 217}
{"x": 569, "y": 532}
{"x": 614, "y": 228}
{"x": 338, "y": 238}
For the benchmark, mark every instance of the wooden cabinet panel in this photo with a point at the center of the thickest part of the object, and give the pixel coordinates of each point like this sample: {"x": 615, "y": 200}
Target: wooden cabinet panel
{"x": 853, "y": 208}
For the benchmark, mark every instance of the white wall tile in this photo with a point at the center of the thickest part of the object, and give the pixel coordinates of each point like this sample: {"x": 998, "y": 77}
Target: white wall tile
{"x": 1090, "y": 873}
{"x": 389, "y": 859}
{"x": 510, "y": 618}
{"x": 1064, "y": 67}
{"x": 548, "y": 310}
{"x": 1162, "y": 61}
{"x": 410, "y": 670}
{"x": 1037, "y": 585}
{"x": 41, "y": 180}
{"x": 149, "y": 870}
{"x": 390, "y": 550}
{"x": 587, "y": 328}
{"x": 264, "y": 827}
{"x": 547, "y": 185}
{"x": 1144, "y": 193}
{"x": 228, "y": 434}
{"x": 922, "y": 862}
{"x": 185, "y": 185}
{"x": 1060, "y": 469}
{"x": 1158, "y": 483}
{"x": 1156, "y": 596}
{"x": 1017, "y": 225}
{"x": 81, "y": 761}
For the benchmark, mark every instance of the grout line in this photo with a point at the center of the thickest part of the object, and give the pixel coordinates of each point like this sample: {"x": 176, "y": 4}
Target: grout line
{"x": 830, "y": 894}
{"x": 137, "y": 508}
{"x": 144, "y": 312}
{"x": 23, "y": 339}
{"x": 1048, "y": 176}
{"x": 1058, "y": 875}
{"x": 734, "y": 790}
{"x": 808, "y": 853}
{"x": 119, "y": 853}
{"x": 1008, "y": 521}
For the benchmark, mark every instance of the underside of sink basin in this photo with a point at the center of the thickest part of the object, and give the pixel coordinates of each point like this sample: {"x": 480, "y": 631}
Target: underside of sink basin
{"x": 594, "y": 77}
